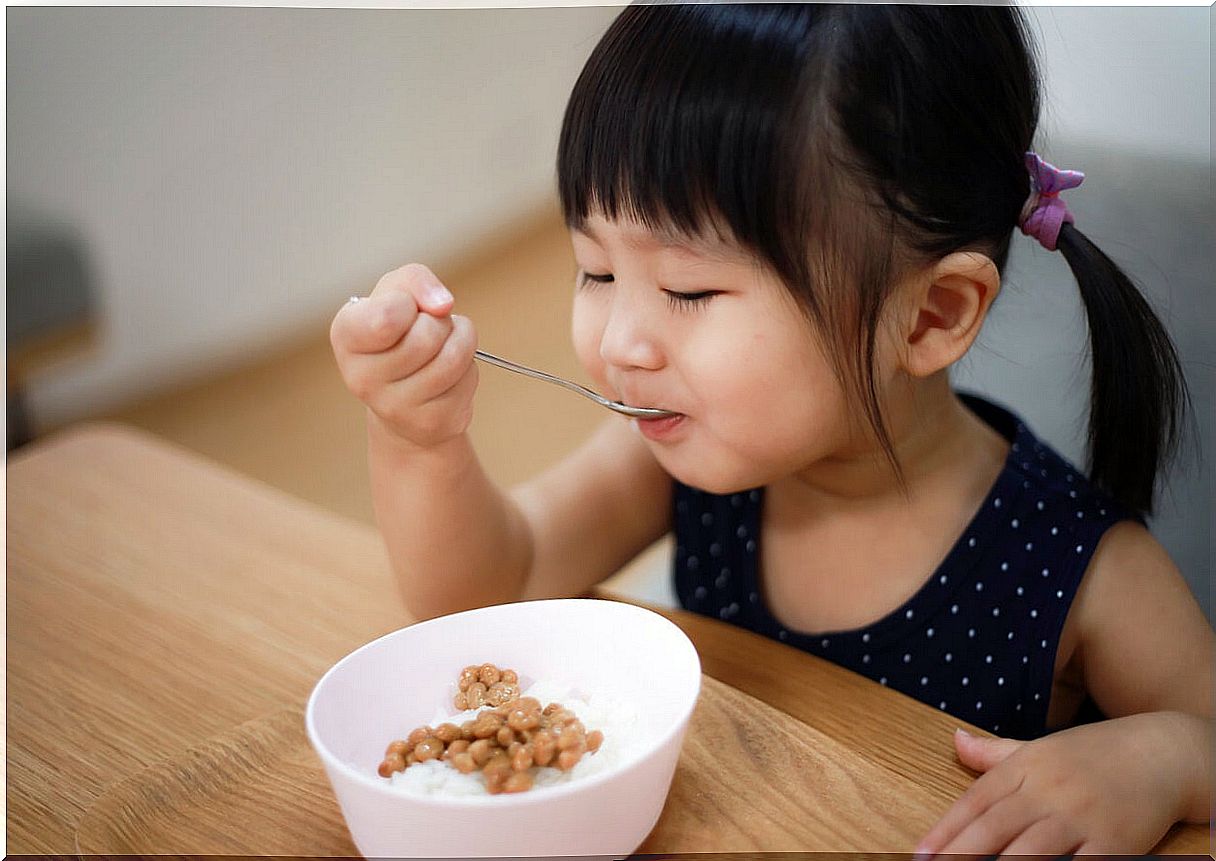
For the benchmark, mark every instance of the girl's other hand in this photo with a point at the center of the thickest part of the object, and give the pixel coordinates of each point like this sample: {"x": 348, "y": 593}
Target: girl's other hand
{"x": 408, "y": 358}
{"x": 1103, "y": 788}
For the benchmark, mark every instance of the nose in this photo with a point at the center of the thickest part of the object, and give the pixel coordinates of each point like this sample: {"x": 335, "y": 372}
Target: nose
{"x": 629, "y": 337}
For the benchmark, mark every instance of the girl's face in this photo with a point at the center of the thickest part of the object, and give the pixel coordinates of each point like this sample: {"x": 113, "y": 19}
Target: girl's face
{"x": 705, "y": 330}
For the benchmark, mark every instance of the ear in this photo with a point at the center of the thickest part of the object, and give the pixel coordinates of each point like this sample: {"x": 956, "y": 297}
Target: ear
{"x": 948, "y": 305}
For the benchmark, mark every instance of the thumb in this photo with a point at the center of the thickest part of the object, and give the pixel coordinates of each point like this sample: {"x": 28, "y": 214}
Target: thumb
{"x": 981, "y": 754}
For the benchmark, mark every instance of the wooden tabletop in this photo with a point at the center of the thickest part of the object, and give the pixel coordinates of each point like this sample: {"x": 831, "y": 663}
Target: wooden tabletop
{"x": 167, "y": 619}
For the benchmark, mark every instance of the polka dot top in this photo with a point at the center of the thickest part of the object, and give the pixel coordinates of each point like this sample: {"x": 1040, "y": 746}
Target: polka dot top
{"x": 978, "y": 640}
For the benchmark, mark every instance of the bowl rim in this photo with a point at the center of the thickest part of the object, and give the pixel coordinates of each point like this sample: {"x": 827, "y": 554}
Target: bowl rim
{"x": 553, "y": 791}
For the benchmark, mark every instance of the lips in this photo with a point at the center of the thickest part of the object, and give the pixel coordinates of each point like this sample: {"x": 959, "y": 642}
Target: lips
{"x": 661, "y": 429}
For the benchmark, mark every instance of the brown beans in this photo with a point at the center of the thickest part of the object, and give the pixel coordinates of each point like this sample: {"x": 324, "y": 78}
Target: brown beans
{"x": 500, "y": 694}
{"x": 486, "y": 724}
{"x": 569, "y": 739}
{"x": 544, "y": 746}
{"x": 476, "y": 695}
{"x": 392, "y": 762}
{"x": 460, "y": 745}
{"x": 509, "y": 736}
{"x": 481, "y": 751}
{"x": 497, "y": 769}
{"x": 520, "y": 781}
{"x": 429, "y": 748}
{"x": 398, "y": 747}
{"x": 520, "y": 719}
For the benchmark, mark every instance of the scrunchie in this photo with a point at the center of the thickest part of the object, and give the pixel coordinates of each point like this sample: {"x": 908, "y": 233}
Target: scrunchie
{"x": 1044, "y": 212}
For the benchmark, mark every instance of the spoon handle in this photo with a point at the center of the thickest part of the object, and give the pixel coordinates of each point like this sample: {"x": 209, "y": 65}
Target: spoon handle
{"x": 617, "y": 406}
{"x": 490, "y": 358}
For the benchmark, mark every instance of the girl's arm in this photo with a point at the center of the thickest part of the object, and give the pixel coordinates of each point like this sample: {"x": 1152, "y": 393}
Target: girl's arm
{"x": 593, "y": 512}
{"x": 454, "y": 539}
{"x": 1116, "y": 786}
{"x": 1146, "y": 647}
{"x": 457, "y": 541}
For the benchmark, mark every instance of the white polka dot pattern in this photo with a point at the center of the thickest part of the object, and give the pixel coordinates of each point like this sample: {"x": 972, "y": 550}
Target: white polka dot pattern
{"x": 1005, "y": 586}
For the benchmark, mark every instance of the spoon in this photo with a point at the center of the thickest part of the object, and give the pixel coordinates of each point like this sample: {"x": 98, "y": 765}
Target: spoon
{"x": 617, "y": 406}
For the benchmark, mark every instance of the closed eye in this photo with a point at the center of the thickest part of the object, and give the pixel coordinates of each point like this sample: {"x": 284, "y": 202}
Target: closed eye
{"x": 586, "y": 279}
{"x": 688, "y": 301}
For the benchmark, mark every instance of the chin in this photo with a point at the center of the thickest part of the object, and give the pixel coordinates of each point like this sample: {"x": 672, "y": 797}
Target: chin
{"x": 711, "y": 478}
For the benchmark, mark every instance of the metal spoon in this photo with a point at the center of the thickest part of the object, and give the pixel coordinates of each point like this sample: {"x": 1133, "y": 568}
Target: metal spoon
{"x": 617, "y": 406}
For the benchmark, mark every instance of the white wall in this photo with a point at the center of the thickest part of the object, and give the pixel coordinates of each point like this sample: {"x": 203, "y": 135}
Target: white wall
{"x": 1134, "y": 78}
{"x": 238, "y": 172}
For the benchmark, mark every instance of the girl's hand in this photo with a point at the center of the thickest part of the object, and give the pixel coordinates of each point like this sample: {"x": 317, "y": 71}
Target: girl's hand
{"x": 1112, "y": 787}
{"x": 408, "y": 358}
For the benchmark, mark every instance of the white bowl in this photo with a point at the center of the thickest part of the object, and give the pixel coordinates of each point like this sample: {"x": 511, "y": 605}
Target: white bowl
{"x": 632, "y": 656}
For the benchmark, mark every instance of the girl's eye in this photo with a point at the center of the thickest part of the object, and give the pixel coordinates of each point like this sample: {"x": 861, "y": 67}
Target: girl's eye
{"x": 586, "y": 279}
{"x": 688, "y": 301}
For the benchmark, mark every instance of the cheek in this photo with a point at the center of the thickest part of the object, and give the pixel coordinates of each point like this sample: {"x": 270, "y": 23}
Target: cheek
{"x": 775, "y": 396}
{"x": 586, "y": 332}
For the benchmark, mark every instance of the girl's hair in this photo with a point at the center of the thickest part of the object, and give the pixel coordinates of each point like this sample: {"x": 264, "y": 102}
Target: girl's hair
{"x": 842, "y": 144}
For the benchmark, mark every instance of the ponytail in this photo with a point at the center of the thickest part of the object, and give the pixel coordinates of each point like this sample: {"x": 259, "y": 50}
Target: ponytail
{"x": 1138, "y": 395}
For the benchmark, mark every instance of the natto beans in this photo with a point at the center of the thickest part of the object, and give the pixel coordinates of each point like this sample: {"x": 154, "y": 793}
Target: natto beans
{"x": 504, "y": 742}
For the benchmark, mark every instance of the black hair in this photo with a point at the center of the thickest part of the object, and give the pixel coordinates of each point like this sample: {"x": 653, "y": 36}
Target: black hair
{"x": 841, "y": 144}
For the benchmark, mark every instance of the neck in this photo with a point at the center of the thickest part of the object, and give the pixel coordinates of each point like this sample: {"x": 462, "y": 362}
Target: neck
{"x": 932, "y": 434}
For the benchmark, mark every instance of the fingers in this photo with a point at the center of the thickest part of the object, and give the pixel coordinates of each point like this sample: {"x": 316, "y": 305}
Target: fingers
{"x": 407, "y": 357}
{"x": 378, "y": 322}
{"x": 419, "y": 282}
{"x": 372, "y": 325}
{"x": 981, "y": 754}
{"x": 434, "y": 400}
{"x": 970, "y": 806}
{"x": 1050, "y": 836}
{"x": 436, "y": 360}
{"x": 996, "y": 828}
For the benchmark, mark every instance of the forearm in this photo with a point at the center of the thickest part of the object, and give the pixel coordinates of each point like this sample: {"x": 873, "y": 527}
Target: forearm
{"x": 455, "y": 541}
{"x": 1193, "y": 736}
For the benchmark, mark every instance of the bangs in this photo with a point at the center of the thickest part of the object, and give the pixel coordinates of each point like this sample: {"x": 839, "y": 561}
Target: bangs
{"x": 691, "y": 119}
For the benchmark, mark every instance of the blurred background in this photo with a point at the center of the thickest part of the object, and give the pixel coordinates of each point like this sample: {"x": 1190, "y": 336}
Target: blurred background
{"x": 193, "y": 192}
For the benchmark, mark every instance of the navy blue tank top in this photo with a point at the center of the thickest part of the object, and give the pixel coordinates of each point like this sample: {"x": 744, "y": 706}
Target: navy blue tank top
{"x": 979, "y": 638}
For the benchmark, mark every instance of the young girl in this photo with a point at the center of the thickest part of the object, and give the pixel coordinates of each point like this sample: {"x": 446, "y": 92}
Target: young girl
{"x": 790, "y": 221}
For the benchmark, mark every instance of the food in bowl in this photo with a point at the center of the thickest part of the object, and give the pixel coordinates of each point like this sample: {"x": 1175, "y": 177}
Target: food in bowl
{"x": 637, "y": 672}
{"x": 500, "y": 741}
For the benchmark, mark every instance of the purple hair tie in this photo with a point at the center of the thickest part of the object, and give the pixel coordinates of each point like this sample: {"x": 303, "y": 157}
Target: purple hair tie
{"x": 1044, "y": 213}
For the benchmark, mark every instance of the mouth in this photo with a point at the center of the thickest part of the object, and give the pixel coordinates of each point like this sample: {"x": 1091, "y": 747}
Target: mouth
{"x": 661, "y": 428}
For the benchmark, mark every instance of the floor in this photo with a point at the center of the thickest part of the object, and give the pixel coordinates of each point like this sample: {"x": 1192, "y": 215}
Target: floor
{"x": 289, "y": 421}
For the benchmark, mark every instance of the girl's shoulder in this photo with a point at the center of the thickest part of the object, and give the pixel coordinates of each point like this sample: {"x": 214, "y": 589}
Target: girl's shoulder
{"x": 1042, "y": 491}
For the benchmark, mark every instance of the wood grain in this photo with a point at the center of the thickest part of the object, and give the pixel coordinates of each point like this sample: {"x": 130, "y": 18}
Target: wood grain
{"x": 200, "y": 802}
{"x": 157, "y": 602}
{"x": 736, "y": 752}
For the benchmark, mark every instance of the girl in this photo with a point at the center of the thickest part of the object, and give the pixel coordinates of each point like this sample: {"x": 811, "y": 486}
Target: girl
{"x": 790, "y": 221}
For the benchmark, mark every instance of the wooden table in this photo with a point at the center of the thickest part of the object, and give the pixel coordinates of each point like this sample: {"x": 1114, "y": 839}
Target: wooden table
{"x": 168, "y": 618}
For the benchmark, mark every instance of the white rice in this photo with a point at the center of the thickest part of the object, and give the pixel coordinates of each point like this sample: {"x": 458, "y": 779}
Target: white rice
{"x": 617, "y": 722}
